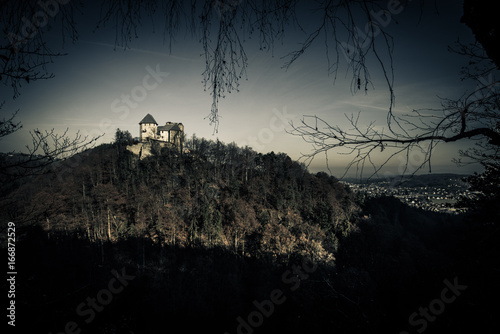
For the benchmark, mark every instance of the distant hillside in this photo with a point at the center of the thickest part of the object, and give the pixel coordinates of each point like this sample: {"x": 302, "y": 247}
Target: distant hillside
{"x": 433, "y": 180}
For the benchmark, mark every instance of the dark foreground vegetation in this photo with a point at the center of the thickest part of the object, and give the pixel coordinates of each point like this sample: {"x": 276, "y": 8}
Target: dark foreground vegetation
{"x": 223, "y": 239}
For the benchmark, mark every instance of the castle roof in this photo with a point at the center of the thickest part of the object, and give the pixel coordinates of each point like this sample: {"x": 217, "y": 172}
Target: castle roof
{"x": 148, "y": 119}
{"x": 169, "y": 127}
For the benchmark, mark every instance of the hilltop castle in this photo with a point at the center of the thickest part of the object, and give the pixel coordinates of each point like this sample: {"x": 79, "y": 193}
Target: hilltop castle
{"x": 170, "y": 132}
{"x": 150, "y": 132}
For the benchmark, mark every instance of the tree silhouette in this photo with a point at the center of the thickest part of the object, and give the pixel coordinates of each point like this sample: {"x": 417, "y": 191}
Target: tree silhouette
{"x": 46, "y": 148}
{"x": 224, "y": 26}
{"x": 24, "y": 54}
{"x": 475, "y": 115}
{"x": 123, "y": 137}
{"x": 24, "y": 49}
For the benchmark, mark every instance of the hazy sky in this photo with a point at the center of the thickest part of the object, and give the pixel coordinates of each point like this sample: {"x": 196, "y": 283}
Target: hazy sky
{"x": 90, "y": 81}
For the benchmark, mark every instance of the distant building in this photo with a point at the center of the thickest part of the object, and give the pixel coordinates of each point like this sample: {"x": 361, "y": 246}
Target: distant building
{"x": 172, "y": 133}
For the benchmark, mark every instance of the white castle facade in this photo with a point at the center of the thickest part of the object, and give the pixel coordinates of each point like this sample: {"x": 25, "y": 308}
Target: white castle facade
{"x": 172, "y": 133}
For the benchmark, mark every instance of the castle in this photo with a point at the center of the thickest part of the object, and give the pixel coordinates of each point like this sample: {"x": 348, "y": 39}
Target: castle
{"x": 172, "y": 133}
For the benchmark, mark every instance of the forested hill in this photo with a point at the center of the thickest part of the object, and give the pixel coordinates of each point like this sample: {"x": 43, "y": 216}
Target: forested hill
{"x": 227, "y": 240}
{"x": 215, "y": 195}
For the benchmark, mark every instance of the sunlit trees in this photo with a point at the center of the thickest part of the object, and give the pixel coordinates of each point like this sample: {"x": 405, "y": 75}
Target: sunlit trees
{"x": 111, "y": 195}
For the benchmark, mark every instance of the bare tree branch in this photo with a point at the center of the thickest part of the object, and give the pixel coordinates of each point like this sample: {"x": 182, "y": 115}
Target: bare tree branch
{"x": 24, "y": 51}
{"x": 473, "y": 116}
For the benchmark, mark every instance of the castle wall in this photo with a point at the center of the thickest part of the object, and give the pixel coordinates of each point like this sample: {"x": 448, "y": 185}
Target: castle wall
{"x": 147, "y": 130}
{"x": 163, "y": 136}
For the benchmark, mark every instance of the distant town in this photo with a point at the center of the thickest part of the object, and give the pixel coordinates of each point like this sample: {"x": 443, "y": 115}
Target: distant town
{"x": 432, "y": 192}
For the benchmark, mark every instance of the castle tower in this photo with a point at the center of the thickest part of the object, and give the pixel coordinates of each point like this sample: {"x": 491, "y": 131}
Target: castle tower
{"x": 148, "y": 128}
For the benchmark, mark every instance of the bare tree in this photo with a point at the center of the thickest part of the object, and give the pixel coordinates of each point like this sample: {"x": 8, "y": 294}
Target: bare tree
{"x": 224, "y": 26}
{"x": 24, "y": 54}
{"x": 24, "y": 49}
{"x": 475, "y": 115}
{"x": 46, "y": 148}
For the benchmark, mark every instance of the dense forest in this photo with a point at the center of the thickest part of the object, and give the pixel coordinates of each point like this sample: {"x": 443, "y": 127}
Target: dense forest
{"x": 222, "y": 239}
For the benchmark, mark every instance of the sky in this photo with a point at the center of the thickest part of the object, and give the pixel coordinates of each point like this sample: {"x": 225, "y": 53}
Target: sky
{"x": 87, "y": 92}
